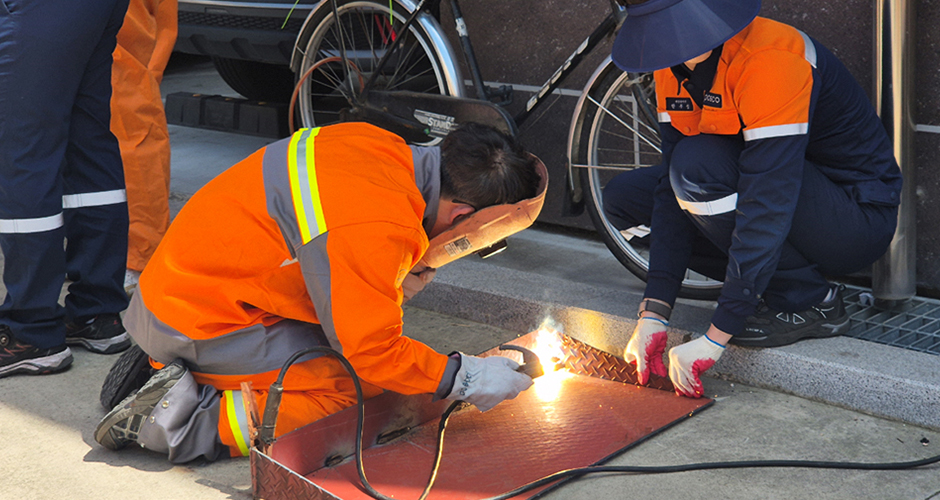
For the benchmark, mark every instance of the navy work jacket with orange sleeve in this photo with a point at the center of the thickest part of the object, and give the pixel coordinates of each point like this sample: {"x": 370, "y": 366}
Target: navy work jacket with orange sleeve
{"x": 792, "y": 101}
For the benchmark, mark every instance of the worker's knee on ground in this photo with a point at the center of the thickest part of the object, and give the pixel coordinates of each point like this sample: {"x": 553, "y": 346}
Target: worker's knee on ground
{"x": 184, "y": 422}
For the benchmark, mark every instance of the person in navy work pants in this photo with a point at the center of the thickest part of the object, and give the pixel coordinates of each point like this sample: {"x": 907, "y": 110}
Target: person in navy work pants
{"x": 776, "y": 172}
{"x": 61, "y": 180}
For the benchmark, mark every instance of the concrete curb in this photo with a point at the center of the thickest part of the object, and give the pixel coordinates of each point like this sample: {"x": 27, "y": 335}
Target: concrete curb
{"x": 871, "y": 378}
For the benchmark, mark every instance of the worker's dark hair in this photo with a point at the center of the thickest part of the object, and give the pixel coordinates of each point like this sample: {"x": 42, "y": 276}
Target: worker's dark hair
{"x": 481, "y": 166}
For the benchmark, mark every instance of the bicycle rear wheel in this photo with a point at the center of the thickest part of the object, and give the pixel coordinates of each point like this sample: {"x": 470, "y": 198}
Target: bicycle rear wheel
{"x": 615, "y": 129}
{"x": 423, "y": 63}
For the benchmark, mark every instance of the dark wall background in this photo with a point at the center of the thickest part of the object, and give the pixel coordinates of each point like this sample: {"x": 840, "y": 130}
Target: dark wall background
{"x": 523, "y": 41}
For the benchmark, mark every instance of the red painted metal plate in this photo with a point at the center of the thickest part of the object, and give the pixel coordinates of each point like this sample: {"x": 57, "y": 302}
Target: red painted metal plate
{"x": 556, "y": 425}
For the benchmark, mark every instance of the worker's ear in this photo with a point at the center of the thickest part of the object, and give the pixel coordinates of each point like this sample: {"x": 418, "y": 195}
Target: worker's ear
{"x": 449, "y": 212}
{"x": 458, "y": 211}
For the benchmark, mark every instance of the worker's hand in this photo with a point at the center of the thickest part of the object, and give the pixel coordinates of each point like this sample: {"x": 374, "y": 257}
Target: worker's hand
{"x": 689, "y": 361}
{"x": 416, "y": 280}
{"x": 485, "y": 382}
{"x": 646, "y": 348}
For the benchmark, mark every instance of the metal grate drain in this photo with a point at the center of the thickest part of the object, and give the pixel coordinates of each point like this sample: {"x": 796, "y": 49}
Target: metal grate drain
{"x": 913, "y": 325}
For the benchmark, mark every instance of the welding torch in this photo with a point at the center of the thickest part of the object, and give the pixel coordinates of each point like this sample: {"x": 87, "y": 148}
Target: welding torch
{"x": 531, "y": 364}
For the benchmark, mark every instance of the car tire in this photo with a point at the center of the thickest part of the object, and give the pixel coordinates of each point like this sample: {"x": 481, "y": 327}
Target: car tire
{"x": 255, "y": 80}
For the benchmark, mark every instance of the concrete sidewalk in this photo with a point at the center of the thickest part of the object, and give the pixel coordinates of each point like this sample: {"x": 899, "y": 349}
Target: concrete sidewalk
{"x": 473, "y": 305}
{"x": 49, "y": 452}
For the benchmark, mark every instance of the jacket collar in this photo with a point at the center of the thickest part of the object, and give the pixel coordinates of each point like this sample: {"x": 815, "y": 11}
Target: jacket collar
{"x": 427, "y": 162}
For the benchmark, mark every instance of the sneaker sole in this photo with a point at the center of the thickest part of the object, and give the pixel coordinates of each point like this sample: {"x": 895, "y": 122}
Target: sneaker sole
{"x": 147, "y": 397}
{"x": 109, "y": 345}
{"x": 815, "y": 332}
{"x": 40, "y": 366}
{"x": 124, "y": 377}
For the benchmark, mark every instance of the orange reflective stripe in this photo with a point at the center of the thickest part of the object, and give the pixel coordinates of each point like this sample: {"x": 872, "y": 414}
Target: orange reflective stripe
{"x": 301, "y": 164}
{"x": 237, "y": 419}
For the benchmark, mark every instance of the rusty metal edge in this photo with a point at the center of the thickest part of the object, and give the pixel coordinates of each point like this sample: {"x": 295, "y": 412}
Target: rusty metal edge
{"x": 267, "y": 471}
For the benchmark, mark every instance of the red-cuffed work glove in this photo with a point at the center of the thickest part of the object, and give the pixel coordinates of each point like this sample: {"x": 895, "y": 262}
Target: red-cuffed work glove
{"x": 689, "y": 361}
{"x": 646, "y": 348}
{"x": 416, "y": 280}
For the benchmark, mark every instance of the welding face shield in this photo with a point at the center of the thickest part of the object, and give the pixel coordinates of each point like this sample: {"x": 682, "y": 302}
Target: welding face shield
{"x": 487, "y": 227}
{"x": 660, "y": 34}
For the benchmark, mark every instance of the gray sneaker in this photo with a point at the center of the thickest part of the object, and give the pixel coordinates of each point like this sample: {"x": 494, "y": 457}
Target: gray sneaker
{"x": 121, "y": 426}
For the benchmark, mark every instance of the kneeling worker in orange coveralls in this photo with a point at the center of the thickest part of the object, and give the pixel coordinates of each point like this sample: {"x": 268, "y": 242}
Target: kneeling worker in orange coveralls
{"x": 310, "y": 241}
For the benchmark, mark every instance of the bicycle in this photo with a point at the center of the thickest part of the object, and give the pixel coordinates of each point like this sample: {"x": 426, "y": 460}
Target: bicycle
{"x": 392, "y": 65}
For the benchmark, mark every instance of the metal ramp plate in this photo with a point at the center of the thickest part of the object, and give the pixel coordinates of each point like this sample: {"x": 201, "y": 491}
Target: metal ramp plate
{"x": 565, "y": 420}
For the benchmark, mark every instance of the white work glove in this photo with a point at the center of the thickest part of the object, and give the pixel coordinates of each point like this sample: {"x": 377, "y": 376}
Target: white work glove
{"x": 646, "y": 348}
{"x": 416, "y": 280}
{"x": 688, "y": 361}
{"x": 485, "y": 382}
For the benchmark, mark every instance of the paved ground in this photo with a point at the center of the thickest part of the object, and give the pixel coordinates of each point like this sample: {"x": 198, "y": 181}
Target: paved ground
{"x": 48, "y": 451}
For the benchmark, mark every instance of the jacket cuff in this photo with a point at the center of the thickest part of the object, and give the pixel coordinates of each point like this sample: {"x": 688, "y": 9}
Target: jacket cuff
{"x": 661, "y": 288}
{"x": 450, "y": 374}
{"x": 738, "y": 300}
{"x": 728, "y": 322}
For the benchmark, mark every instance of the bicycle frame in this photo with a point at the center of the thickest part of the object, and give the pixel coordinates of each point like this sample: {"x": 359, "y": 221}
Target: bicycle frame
{"x": 604, "y": 29}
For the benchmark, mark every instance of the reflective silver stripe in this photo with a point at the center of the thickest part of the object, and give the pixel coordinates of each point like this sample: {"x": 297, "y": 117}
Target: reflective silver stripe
{"x": 664, "y": 117}
{"x": 810, "y": 49}
{"x": 37, "y": 225}
{"x": 251, "y": 350}
{"x": 640, "y": 231}
{"x": 94, "y": 199}
{"x": 315, "y": 264}
{"x": 776, "y": 131}
{"x": 717, "y": 207}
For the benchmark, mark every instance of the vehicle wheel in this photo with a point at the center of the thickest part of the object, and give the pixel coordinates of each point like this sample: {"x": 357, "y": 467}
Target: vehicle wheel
{"x": 255, "y": 80}
{"x": 615, "y": 129}
{"x": 423, "y": 62}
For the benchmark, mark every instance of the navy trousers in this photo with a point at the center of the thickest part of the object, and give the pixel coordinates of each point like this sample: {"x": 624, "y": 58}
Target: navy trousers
{"x": 61, "y": 177}
{"x": 831, "y": 234}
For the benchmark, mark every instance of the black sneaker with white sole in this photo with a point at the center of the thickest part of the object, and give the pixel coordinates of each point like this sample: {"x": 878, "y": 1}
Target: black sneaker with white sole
{"x": 19, "y": 357}
{"x": 121, "y": 426}
{"x": 771, "y": 328}
{"x": 103, "y": 334}
{"x": 128, "y": 374}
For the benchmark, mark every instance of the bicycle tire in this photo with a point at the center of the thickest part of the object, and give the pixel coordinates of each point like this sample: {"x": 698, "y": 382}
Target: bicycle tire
{"x": 614, "y": 128}
{"x": 256, "y": 80}
{"x": 424, "y": 63}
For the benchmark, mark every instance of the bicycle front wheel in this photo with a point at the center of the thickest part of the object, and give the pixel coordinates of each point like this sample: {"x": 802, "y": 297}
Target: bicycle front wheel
{"x": 366, "y": 29}
{"x": 615, "y": 130}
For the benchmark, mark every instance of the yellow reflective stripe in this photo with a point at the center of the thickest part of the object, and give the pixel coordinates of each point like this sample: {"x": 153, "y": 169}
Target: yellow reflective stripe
{"x": 301, "y": 162}
{"x": 237, "y": 419}
{"x": 295, "y": 185}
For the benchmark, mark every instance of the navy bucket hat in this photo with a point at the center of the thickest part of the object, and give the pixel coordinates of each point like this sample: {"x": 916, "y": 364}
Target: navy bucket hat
{"x": 661, "y": 33}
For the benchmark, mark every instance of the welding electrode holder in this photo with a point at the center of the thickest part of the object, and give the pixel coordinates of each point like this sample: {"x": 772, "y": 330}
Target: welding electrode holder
{"x": 531, "y": 364}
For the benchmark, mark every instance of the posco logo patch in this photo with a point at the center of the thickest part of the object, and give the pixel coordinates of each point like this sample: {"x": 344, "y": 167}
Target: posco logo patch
{"x": 439, "y": 125}
{"x": 713, "y": 100}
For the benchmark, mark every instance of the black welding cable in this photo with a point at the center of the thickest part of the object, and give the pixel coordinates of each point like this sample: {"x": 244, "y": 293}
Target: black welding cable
{"x": 360, "y": 404}
{"x": 583, "y": 471}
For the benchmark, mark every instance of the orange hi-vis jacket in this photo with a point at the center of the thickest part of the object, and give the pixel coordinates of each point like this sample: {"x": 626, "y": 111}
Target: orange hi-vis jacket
{"x": 318, "y": 229}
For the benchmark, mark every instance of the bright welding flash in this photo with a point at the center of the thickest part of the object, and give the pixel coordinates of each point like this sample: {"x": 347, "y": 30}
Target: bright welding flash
{"x": 548, "y": 348}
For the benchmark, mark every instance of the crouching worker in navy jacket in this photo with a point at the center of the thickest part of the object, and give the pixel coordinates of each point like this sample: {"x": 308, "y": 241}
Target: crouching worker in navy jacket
{"x": 774, "y": 164}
